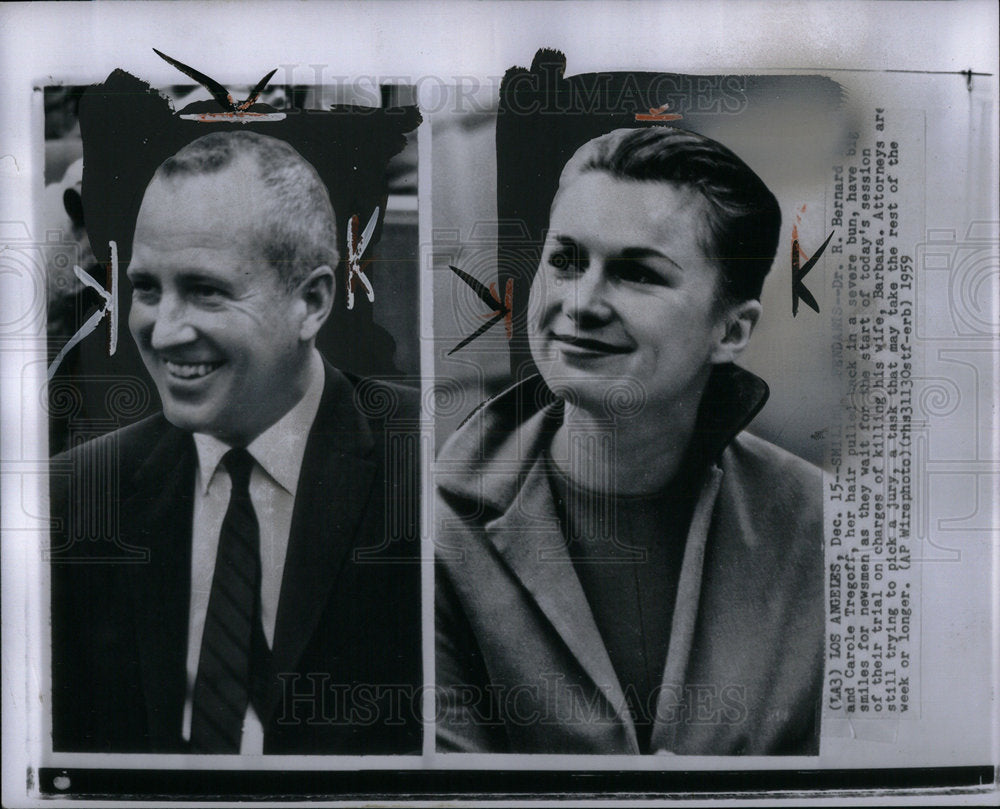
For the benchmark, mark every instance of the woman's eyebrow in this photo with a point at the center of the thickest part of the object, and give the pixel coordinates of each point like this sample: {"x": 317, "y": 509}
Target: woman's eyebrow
{"x": 640, "y": 253}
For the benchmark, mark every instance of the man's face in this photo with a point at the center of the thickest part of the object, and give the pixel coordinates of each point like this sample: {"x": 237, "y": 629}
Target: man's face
{"x": 625, "y": 291}
{"x": 214, "y": 323}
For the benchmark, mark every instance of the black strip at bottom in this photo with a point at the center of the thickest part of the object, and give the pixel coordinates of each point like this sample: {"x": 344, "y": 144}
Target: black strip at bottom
{"x": 484, "y": 784}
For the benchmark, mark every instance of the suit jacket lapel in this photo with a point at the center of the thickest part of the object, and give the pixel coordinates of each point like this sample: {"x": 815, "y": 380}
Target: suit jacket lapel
{"x": 157, "y": 517}
{"x": 334, "y": 487}
{"x": 673, "y": 692}
{"x": 537, "y": 556}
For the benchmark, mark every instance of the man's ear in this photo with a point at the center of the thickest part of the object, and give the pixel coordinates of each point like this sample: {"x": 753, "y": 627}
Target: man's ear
{"x": 736, "y": 325}
{"x": 317, "y": 291}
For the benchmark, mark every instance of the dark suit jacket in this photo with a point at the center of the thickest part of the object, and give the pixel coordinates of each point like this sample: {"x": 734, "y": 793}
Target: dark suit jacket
{"x": 346, "y": 660}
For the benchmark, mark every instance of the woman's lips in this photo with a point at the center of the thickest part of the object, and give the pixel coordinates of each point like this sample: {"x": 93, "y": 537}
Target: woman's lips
{"x": 588, "y": 345}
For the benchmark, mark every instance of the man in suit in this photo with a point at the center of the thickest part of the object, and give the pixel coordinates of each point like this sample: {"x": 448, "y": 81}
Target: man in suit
{"x": 263, "y": 591}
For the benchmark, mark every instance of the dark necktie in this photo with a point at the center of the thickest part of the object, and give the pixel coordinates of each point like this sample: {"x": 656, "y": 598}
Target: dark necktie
{"x": 233, "y": 660}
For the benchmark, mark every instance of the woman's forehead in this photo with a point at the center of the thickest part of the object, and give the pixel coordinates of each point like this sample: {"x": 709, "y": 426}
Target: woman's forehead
{"x": 607, "y": 213}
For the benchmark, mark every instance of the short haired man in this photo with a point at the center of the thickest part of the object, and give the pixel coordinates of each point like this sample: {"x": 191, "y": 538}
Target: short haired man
{"x": 620, "y": 570}
{"x": 269, "y": 600}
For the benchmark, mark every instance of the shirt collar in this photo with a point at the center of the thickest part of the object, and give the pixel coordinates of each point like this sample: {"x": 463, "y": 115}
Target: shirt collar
{"x": 280, "y": 448}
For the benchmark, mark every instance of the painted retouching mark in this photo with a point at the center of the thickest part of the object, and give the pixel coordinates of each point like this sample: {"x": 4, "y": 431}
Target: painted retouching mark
{"x": 658, "y": 114}
{"x": 491, "y": 297}
{"x": 110, "y": 309}
{"x": 232, "y": 110}
{"x": 799, "y": 290}
{"x": 355, "y": 250}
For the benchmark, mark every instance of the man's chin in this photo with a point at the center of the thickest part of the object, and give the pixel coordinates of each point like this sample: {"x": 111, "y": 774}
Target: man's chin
{"x": 228, "y": 424}
{"x": 191, "y": 419}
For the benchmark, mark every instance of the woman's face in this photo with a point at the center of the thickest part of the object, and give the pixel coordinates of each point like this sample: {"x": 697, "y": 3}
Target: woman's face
{"x": 625, "y": 293}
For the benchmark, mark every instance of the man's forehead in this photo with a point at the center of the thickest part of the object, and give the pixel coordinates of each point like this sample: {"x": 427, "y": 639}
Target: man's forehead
{"x": 242, "y": 175}
{"x": 229, "y": 200}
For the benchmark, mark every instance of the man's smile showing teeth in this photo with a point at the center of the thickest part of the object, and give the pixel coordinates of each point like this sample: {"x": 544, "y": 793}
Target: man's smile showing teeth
{"x": 190, "y": 370}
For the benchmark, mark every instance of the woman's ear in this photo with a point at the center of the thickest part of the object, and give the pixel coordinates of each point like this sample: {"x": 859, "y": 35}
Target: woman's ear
{"x": 317, "y": 291}
{"x": 736, "y": 325}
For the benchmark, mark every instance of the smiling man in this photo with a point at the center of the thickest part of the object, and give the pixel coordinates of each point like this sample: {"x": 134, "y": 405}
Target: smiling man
{"x": 265, "y": 593}
{"x": 620, "y": 568}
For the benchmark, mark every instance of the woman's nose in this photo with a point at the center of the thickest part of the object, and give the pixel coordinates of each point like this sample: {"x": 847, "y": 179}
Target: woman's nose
{"x": 587, "y": 298}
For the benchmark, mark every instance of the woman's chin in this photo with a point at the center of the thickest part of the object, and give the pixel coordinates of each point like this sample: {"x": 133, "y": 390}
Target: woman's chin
{"x": 584, "y": 393}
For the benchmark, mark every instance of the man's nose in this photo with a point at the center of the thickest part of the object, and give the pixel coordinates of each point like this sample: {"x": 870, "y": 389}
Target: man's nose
{"x": 587, "y": 299}
{"x": 172, "y": 324}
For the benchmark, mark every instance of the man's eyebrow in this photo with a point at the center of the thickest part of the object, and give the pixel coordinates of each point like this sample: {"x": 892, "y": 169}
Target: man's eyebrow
{"x": 197, "y": 276}
{"x": 187, "y": 277}
{"x": 566, "y": 241}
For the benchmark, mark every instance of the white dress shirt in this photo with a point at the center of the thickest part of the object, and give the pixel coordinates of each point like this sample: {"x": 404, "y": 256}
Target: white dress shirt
{"x": 277, "y": 453}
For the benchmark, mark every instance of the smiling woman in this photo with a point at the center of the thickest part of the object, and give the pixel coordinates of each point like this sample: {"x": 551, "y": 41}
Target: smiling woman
{"x": 619, "y": 570}
{"x": 625, "y": 292}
